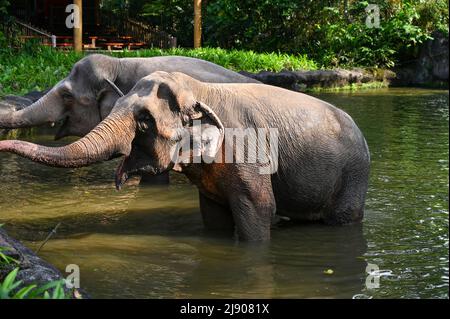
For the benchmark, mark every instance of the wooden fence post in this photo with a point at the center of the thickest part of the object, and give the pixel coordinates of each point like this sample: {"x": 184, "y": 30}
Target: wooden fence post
{"x": 78, "y": 32}
{"x": 197, "y": 23}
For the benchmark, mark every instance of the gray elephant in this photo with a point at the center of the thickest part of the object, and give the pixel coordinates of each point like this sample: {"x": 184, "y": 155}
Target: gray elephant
{"x": 322, "y": 159}
{"x": 84, "y": 97}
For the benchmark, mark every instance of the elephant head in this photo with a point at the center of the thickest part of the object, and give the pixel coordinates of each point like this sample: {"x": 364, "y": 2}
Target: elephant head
{"x": 81, "y": 100}
{"x": 85, "y": 96}
{"x": 146, "y": 126}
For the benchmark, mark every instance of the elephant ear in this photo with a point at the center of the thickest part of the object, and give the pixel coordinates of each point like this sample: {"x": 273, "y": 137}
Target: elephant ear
{"x": 212, "y": 133}
{"x": 203, "y": 134}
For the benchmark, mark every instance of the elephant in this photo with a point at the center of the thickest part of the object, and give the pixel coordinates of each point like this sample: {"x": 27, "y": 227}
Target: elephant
{"x": 84, "y": 97}
{"x": 322, "y": 160}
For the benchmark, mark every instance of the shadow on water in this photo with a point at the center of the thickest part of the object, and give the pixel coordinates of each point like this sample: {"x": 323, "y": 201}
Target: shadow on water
{"x": 149, "y": 242}
{"x": 155, "y": 264}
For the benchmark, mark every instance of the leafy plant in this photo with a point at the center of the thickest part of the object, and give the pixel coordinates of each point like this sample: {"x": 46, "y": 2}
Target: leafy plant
{"x": 5, "y": 259}
{"x": 38, "y": 67}
{"x": 331, "y": 32}
{"x": 3, "y": 7}
{"x": 9, "y": 289}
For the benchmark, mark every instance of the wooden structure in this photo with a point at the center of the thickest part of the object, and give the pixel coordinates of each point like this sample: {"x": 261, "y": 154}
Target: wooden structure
{"x": 78, "y": 28}
{"x": 45, "y": 20}
{"x": 197, "y": 23}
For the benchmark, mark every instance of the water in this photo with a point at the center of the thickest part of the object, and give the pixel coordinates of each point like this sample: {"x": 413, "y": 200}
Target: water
{"x": 149, "y": 242}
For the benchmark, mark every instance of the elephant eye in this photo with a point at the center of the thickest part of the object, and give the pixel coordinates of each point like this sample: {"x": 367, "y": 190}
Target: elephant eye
{"x": 144, "y": 121}
{"x": 67, "y": 96}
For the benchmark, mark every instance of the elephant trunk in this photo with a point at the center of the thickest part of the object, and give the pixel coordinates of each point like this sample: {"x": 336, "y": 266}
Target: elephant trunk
{"x": 111, "y": 137}
{"x": 47, "y": 109}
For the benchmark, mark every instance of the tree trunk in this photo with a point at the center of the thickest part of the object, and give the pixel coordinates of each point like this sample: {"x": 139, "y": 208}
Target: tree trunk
{"x": 78, "y": 29}
{"x": 197, "y": 23}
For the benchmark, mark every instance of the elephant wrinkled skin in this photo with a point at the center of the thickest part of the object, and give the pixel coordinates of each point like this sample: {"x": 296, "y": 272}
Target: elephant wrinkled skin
{"x": 84, "y": 98}
{"x": 323, "y": 158}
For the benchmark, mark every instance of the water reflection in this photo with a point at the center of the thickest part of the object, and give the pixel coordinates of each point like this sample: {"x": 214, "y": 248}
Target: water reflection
{"x": 189, "y": 265}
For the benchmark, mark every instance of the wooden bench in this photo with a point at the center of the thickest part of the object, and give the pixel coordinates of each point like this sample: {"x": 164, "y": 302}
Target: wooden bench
{"x": 115, "y": 45}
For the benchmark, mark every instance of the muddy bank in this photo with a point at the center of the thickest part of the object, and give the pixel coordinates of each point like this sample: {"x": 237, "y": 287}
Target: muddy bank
{"x": 32, "y": 269}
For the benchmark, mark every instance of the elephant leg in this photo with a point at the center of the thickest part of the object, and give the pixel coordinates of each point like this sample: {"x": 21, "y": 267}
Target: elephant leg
{"x": 253, "y": 207}
{"x": 215, "y": 216}
{"x": 348, "y": 206}
{"x": 149, "y": 179}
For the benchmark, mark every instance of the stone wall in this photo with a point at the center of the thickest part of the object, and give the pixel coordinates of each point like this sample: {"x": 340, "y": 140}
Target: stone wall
{"x": 430, "y": 69}
{"x": 323, "y": 79}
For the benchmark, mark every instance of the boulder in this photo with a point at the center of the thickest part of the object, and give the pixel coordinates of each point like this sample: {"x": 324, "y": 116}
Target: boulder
{"x": 33, "y": 269}
{"x": 325, "y": 79}
{"x": 430, "y": 68}
{"x": 11, "y": 103}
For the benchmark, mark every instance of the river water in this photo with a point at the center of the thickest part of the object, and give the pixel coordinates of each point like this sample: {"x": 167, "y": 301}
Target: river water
{"x": 147, "y": 242}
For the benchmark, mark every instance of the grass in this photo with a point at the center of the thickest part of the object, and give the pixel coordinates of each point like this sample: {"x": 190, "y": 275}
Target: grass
{"x": 38, "y": 68}
{"x": 351, "y": 87}
{"x": 11, "y": 288}
{"x": 236, "y": 60}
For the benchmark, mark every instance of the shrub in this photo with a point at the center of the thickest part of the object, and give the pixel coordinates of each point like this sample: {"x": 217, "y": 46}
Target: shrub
{"x": 38, "y": 67}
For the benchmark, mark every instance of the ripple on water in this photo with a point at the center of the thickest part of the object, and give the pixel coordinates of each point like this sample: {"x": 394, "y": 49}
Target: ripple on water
{"x": 149, "y": 242}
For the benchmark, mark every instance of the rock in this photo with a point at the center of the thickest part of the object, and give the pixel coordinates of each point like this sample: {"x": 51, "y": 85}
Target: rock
{"x": 11, "y": 103}
{"x": 33, "y": 270}
{"x": 430, "y": 68}
{"x": 35, "y": 95}
{"x": 326, "y": 79}
{"x": 14, "y": 103}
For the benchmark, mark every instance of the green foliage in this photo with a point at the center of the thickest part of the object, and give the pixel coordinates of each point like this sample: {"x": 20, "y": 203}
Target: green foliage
{"x": 6, "y": 259}
{"x": 38, "y": 67}
{"x": 332, "y": 32}
{"x": 354, "y": 43}
{"x": 3, "y": 8}
{"x": 270, "y": 25}
{"x": 235, "y": 59}
{"x": 33, "y": 68}
{"x": 9, "y": 289}
{"x": 433, "y": 15}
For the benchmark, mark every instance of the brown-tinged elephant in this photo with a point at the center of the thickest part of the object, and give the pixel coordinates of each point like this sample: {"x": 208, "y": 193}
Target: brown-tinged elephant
{"x": 319, "y": 169}
{"x": 84, "y": 97}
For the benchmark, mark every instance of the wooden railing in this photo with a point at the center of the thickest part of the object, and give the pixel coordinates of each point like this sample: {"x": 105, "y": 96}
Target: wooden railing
{"x": 137, "y": 35}
{"x": 27, "y": 31}
{"x": 152, "y": 37}
{"x": 149, "y": 35}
